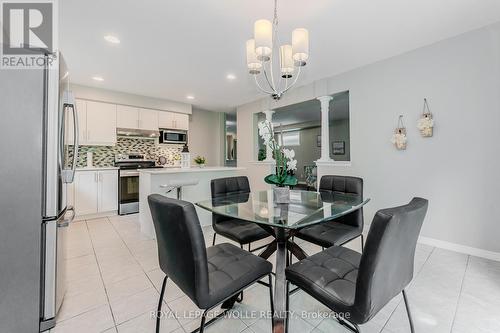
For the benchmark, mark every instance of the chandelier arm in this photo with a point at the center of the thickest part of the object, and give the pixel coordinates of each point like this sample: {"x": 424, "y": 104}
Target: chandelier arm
{"x": 293, "y": 83}
{"x": 271, "y": 85}
{"x": 260, "y": 88}
{"x": 271, "y": 68}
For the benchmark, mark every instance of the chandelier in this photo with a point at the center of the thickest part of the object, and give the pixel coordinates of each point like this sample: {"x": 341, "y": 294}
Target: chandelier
{"x": 265, "y": 50}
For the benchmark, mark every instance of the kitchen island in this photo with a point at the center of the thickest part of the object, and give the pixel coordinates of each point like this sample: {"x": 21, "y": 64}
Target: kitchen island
{"x": 152, "y": 180}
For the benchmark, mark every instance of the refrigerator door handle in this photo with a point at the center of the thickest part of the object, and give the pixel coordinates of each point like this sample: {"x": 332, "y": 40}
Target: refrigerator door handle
{"x": 66, "y": 222}
{"x": 69, "y": 102}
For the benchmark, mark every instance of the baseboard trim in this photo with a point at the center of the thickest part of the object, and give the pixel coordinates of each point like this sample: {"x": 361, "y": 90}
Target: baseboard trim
{"x": 96, "y": 216}
{"x": 473, "y": 251}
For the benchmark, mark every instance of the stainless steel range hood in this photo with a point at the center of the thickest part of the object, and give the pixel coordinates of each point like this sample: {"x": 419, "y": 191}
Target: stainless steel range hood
{"x": 137, "y": 133}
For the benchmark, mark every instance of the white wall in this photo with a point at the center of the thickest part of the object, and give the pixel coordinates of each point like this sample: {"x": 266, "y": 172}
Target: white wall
{"x": 458, "y": 169}
{"x": 206, "y": 136}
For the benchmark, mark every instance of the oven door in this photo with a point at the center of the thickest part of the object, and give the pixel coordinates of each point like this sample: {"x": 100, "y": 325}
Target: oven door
{"x": 128, "y": 192}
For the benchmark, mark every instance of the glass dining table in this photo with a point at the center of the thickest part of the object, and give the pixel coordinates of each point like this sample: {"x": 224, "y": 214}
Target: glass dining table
{"x": 282, "y": 221}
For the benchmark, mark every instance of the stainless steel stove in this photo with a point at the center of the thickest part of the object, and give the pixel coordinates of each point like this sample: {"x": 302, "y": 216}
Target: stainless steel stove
{"x": 128, "y": 182}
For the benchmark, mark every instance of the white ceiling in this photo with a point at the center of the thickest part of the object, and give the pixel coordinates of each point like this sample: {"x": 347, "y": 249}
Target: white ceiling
{"x": 170, "y": 49}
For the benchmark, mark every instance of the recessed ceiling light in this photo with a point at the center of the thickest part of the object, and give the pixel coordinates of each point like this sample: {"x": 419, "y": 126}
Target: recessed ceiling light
{"x": 230, "y": 76}
{"x": 112, "y": 39}
{"x": 190, "y": 97}
{"x": 98, "y": 78}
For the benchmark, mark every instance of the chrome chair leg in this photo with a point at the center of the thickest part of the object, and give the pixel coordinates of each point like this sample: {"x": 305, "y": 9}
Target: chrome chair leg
{"x": 203, "y": 318}
{"x": 158, "y": 311}
{"x": 347, "y": 324}
{"x": 287, "y": 305}
{"x": 362, "y": 243}
{"x": 407, "y": 305}
{"x": 213, "y": 242}
{"x": 271, "y": 293}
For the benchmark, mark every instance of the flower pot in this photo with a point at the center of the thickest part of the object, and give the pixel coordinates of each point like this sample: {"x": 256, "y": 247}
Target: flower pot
{"x": 201, "y": 165}
{"x": 281, "y": 194}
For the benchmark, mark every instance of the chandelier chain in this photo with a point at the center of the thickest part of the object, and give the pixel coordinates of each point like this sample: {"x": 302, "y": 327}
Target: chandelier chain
{"x": 275, "y": 19}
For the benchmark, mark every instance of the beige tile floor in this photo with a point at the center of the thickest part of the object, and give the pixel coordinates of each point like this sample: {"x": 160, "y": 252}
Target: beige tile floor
{"x": 114, "y": 282}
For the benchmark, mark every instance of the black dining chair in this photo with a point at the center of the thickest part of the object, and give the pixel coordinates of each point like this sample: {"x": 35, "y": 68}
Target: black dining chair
{"x": 343, "y": 229}
{"x": 360, "y": 285}
{"x": 239, "y": 231}
{"x": 208, "y": 276}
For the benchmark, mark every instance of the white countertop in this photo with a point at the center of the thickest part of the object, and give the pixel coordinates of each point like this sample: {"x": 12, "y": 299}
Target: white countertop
{"x": 97, "y": 168}
{"x": 192, "y": 169}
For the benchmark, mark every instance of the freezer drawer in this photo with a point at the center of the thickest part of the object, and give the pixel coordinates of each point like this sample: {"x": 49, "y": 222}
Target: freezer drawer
{"x": 54, "y": 266}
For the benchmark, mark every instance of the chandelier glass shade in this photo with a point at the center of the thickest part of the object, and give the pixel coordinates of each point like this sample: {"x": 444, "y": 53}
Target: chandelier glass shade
{"x": 265, "y": 50}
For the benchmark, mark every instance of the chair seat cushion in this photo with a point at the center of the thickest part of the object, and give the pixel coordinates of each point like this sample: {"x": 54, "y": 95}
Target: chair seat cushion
{"x": 329, "y": 233}
{"x": 329, "y": 276}
{"x": 230, "y": 269}
{"x": 240, "y": 231}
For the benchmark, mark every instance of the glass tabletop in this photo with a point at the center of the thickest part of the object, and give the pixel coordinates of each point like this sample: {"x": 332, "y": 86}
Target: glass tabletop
{"x": 305, "y": 207}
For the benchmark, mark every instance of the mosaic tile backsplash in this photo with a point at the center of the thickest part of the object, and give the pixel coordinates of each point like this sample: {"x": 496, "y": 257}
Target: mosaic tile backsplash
{"x": 104, "y": 156}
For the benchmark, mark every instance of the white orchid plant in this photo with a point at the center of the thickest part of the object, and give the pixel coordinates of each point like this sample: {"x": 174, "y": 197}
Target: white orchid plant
{"x": 284, "y": 158}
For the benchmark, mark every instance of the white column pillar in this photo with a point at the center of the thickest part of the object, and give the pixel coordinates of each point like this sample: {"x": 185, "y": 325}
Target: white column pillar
{"x": 269, "y": 151}
{"x": 325, "y": 129}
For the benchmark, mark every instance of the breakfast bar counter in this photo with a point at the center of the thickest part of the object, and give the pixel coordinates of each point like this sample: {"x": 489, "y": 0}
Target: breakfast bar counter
{"x": 158, "y": 181}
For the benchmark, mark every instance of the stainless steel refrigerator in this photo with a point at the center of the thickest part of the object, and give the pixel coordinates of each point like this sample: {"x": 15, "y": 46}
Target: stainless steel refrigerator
{"x": 37, "y": 111}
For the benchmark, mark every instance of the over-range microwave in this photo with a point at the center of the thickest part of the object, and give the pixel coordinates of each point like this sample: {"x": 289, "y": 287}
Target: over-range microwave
{"x": 175, "y": 137}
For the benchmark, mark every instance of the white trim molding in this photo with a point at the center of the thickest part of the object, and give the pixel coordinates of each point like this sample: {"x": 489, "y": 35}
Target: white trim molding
{"x": 264, "y": 162}
{"x": 473, "y": 251}
{"x": 333, "y": 163}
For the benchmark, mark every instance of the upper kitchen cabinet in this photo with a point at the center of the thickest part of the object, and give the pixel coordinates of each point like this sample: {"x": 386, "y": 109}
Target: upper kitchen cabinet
{"x": 136, "y": 118}
{"x": 181, "y": 121}
{"x": 101, "y": 124}
{"x": 172, "y": 120}
{"x": 148, "y": 119}
{"x": 127, "y": 116}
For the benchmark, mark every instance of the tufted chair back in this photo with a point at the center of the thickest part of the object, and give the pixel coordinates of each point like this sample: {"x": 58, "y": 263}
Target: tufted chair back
{"x": 386, "y": 265}
{"x": 181, "y": 245}
{"x": 344, "y": 184}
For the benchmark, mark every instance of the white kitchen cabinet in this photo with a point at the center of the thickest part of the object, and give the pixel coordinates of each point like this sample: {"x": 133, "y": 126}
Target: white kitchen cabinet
{"x": 81, "y": 111}
{"x": 166, "y": 119}
{"x": 172, "y": 120}
{"x": 182, "y": 121}
{"x": 107, "y": 191}
{"x": 127, "y": 116}
{"x": 136, "y": 118}
{"x": 95, "y": 192}
{"x": 101, "y": 124}
{"x": 86, "y": 188}
{"x": 148, "y": 119}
